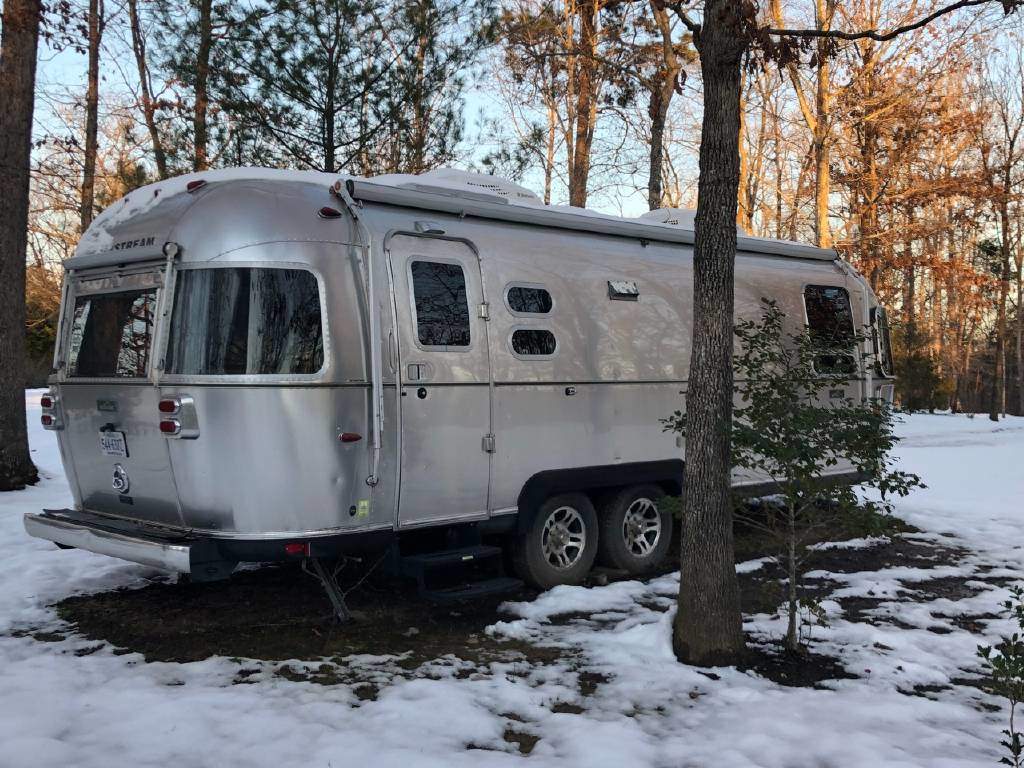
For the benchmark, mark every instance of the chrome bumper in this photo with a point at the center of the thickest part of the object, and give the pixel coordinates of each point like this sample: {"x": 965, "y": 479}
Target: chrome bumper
{"x": 87, "y": 535}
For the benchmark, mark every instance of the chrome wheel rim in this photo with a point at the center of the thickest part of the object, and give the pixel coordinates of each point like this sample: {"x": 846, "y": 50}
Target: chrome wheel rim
{"x": 563, "y": 538}
{"x": 641, "y": 527}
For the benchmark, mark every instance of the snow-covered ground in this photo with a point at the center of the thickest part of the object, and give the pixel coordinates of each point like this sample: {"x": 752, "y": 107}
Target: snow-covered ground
{"x": 622, "y": 699}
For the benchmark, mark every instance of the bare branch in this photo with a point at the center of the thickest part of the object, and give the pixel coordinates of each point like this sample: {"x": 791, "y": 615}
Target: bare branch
{"x": 871, "y": 34}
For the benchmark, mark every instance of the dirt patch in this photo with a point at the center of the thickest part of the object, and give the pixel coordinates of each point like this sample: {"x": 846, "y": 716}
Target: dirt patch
{"x": 282, "y": 613}
{"x": 803, "y": 669}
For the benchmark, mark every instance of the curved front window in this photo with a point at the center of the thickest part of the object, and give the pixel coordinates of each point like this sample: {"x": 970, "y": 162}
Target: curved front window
{"x": 245, "y": 321}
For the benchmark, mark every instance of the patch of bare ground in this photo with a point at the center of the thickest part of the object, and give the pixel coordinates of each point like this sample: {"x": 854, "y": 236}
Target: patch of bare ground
{"x": 279, "y": 613}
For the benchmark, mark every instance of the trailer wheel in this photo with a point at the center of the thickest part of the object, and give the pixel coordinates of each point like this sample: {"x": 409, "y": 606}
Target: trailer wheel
{"x": 559, "y": 544}
{"x": 635, "y": 534}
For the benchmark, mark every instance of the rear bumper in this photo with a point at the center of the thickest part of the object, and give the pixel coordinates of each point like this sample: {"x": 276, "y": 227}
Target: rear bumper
{"x": 82, "y": 530}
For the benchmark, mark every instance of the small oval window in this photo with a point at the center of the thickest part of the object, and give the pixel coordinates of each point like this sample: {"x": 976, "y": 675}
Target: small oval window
{"x": 533, "y": 301}
{"x": 533, "y": 341}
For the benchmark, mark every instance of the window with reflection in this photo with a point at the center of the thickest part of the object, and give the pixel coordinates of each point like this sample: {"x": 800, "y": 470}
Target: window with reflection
{"x": 442, "y": 309}
{"x": 830, "y": 323}
{"x": 111, "y": 334}
{"x": 528, "y": 300}
{"x": 237, "y": 321}
{"x": 533, "y": 341}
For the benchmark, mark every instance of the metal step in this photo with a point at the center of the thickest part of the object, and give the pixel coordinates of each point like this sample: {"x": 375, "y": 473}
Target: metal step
{"x": 416, "y": 565}
{"x": 499, "y": 585}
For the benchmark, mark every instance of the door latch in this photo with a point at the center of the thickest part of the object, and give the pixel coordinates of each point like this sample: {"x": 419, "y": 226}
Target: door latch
{"x": 485, "y": 311}
{"x": 487, "y": 444}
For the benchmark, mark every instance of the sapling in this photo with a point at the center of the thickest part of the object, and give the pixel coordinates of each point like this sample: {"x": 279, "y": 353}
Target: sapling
{"x": 795, "y": 422}
{"x": 1005, "y": 666}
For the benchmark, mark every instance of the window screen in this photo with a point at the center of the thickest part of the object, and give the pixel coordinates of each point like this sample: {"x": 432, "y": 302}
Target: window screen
{"x": 111, "y": 334}
{"x": 533, "y": 341}
{"x": 830, "y": 322}
{"x": 533, "y": 301}
{"x": 442, "y": 309}
{"x": 244, "y": 321}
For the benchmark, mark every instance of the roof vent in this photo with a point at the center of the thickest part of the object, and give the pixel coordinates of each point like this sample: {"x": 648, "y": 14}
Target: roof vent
{"x": 684, "y": 218}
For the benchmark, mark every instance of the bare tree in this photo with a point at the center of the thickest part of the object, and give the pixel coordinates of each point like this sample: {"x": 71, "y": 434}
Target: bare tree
{"x": 96, "y": 23}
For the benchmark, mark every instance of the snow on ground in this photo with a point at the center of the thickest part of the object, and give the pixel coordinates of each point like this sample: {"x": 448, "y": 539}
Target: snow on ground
{"x": 622, "y": 698}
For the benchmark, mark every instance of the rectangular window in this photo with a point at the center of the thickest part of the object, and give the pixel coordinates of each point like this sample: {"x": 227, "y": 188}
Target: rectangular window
{"x": 528, "y": 300}
{"x": 830, "y": 322}
{"x": 442, "y": 309}
{"x": 531, "y": 342}
{"x": 111, "y": 334}
{"x": 245, "y": 321}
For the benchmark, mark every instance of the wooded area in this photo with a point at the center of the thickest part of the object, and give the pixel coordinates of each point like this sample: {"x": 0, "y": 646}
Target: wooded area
{"x": 906, "y": 155}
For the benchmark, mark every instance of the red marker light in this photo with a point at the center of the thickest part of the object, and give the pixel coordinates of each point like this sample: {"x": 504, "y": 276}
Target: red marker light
{"x": 192, "y": 186}
{"x": 329, "y": 213}
{"x": 350, "y": 437}
{"x": 168, "y": 406}
{"x": 46, "y": 401}
{"x": 297, "y": 548}
{"x": 170, "y": 427}
{"x": 47, "y": 420}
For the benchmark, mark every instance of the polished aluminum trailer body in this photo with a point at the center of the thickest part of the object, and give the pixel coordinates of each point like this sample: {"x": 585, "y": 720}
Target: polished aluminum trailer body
{"x": 390, "y": 433}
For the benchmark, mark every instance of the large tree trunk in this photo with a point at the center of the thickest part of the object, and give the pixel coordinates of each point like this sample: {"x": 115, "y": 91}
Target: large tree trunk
{"x": 708, "y": 627}
{"x": 823, "y": 10}
{"x": 145, "y": 88}
{"x": 20, "y": 36}
{"x": 201, "y": 160}
{"x": 92, "y": 108}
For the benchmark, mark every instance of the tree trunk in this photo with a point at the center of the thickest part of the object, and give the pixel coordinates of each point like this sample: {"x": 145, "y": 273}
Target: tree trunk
{"x": 823, "y": 10}
{"x": 1020, "y": 338}
{"x": 145, "y": 88}
{"x": 92, "y": 106}
{"x": 201, "y": 161}
{"x": 662, "y": 90}
{"x": 18, "y": 44}
{"x": 792, "y": 588}
{"x": 708, "y": 627}
{"x": 586, "y": 103}
{"x": 997, "y": 400}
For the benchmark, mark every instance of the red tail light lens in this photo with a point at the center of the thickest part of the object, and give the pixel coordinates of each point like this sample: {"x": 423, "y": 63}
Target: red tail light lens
{"x": 46, "y": 401}
{"x": 297, "y": 548}
{"x": 169, "y": 405}
{"x": 192, "y": 186}
{"x": 46, "y": 419}
{"x": 170, "y": 427}
{"x": 350, "y": 437}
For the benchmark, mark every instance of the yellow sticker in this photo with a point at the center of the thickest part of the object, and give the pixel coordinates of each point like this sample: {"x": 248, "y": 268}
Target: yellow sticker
{"x": 362, "y": 508}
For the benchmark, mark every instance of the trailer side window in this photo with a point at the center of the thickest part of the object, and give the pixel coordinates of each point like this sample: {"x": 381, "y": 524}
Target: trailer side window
{"x": 830, "y": 323}
{"x": 111, "y": 334}
{"x": 240, "y": 321}
{"x": 528, "y": 300}
{"x": 882, "y": 343}
{"x": 442, "y": 309}
{"x": 531, "y": 342}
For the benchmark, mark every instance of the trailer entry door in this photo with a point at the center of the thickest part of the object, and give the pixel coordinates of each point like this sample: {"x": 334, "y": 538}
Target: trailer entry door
{"x": 445, "y": 381}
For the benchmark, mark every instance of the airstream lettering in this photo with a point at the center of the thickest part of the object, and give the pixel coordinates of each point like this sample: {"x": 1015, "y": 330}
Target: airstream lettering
{"x": 259, "y": 365}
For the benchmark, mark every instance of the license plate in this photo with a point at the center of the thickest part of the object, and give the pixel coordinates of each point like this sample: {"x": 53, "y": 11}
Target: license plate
{"x": 113, "y": 444}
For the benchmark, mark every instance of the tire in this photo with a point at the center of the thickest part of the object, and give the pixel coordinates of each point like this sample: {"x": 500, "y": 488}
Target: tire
{"x": 537, "y": 552}
{"x": 626, "y": 546}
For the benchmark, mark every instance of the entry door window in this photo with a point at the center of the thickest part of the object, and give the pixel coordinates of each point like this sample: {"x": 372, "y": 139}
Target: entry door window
{"x": 442, "y": 309}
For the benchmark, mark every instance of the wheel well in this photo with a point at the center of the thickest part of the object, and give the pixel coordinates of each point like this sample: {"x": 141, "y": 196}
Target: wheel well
{"x": 597, "y": 481}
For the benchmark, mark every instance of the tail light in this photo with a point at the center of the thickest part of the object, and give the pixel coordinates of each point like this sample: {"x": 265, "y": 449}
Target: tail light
{"x": 170, "y": 427}
{"x": 297, "y": 548}
{"x": 177, "y": 417}
{"x": 193, "y": 186}
{"x": 51, "y": 417}
{"x": 169, "y": 405}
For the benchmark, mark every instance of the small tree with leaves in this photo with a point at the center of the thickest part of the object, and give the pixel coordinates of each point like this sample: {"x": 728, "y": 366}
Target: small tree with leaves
{"x": 796, "y": 423}
{"x": 1005, "y": 666}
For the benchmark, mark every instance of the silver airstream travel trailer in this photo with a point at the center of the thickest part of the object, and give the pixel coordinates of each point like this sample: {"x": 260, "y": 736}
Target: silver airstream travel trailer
{"x": 260, "y": 365}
